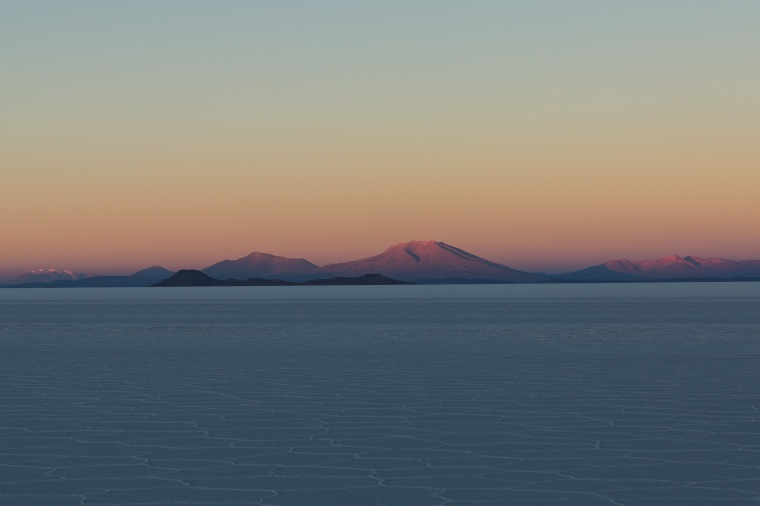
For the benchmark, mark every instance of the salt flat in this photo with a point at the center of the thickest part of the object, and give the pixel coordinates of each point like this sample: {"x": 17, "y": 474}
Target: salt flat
{"x": 456, "y": 395}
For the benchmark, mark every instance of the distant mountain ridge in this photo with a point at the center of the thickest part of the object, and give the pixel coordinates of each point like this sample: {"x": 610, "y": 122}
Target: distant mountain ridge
{"x": 415, "y": 261}
{"x": 141, "y": 278}
{"x": 668, "y": 267}
{"x": 48, "y": 276}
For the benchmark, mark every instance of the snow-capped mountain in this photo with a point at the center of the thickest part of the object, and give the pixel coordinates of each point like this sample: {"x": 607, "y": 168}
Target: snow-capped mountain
{"x": 48, "y": 275}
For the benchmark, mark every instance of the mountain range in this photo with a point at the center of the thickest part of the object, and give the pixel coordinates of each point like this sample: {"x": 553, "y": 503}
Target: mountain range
{"x": 52, "y": 278}
{"x": 669, "y": 267}
{"x": 417, "y": 262}
{"x": 48, "y": 276}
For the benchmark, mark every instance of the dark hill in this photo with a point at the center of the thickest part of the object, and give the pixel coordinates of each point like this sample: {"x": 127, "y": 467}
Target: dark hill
{"x": 197, "y": 278}
{"x": 266, "y": 282}
{"x": 190, "y": 277}
{"x": 104, "y": 282}
{"x": 367, "y": 279}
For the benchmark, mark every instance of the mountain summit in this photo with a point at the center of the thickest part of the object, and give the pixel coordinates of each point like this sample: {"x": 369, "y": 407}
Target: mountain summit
{"x": 154, "y": 272}
{"x": 429, "y": 261}
{"x": 263, "y": 265}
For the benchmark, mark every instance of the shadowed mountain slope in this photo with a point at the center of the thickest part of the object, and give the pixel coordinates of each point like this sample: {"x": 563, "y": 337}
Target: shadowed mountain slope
{"x": 367, "y": 279}
{"x": 197, "y": 278}
{"x": 263, "y": 265}
{"x": 191, "y": 277}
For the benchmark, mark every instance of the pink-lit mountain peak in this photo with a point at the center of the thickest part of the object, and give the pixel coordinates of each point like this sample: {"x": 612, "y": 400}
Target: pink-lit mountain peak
{"x": 432, "y": 260}
{"x": 424, "y": 251}
{"x": 674, "y": 266}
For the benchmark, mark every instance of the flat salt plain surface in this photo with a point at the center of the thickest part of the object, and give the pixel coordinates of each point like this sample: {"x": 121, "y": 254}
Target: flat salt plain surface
{"x": 616, "y": 394}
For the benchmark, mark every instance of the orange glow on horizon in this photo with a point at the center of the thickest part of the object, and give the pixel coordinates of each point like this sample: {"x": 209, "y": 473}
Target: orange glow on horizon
{"x": 565, "y": 141}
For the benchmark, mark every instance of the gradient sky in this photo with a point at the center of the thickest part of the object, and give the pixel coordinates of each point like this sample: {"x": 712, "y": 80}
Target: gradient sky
{"x": 547, "y": 135}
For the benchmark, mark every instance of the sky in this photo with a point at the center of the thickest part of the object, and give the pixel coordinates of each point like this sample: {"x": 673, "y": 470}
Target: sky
{"x": 546, "y": 135}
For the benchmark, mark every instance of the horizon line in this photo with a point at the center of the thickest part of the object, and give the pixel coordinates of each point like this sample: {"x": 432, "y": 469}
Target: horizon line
{"x": 556, "y": 270}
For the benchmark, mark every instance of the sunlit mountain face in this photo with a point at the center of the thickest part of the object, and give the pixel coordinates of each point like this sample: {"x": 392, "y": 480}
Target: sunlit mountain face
{"x": 429, "y": 261}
